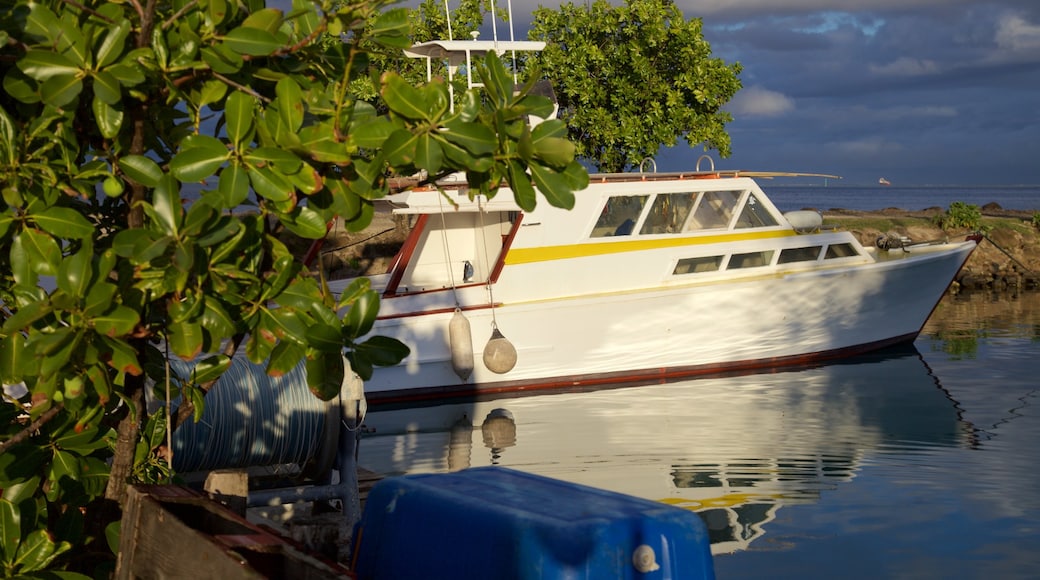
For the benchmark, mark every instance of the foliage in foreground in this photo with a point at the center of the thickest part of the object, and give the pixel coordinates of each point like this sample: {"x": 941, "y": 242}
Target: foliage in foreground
{"x": 632, "y": 78}
{"x": 149, "y": 156}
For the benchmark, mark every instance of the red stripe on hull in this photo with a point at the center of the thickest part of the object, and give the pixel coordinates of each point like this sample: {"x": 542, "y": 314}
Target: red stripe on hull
{"x": 627, "y": 378}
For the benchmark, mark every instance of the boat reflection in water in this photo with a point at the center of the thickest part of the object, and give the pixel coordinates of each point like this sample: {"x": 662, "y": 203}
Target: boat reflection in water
{"x": 734, "y": 449}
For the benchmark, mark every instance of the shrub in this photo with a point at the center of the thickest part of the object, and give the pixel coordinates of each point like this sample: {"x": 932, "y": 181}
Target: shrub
{"x": 961, "y": 215}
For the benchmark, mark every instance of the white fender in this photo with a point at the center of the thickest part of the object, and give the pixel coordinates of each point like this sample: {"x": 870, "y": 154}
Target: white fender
{"x": 460, "y": 341}
{"x": 499, "y": 353}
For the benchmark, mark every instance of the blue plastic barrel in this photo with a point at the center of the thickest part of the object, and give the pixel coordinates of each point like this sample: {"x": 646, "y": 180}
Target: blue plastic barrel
{"x": 494, "y": 522}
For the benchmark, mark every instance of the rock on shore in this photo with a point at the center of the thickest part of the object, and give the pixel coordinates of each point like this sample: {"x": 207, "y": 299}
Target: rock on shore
{"x": 1008, "y": 259}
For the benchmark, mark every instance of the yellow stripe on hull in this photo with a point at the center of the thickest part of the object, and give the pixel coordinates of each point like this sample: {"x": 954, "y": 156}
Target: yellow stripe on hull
{"x": 550, "y": 253}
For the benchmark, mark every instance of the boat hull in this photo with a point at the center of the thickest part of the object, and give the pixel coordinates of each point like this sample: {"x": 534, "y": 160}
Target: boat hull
{"x": 771, "y": 320}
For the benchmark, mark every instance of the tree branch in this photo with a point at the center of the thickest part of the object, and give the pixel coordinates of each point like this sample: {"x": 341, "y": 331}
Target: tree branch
{"x": 32, "y": 427}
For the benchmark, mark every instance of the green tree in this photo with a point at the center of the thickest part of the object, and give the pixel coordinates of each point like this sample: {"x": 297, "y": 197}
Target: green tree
{"x": 632, "y": 78}
{"x": 149, "y": 155}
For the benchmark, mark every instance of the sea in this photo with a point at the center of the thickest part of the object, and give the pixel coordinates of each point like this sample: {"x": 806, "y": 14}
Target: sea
{"x": 824, "y": 196}
{"x": 914, "y": 462}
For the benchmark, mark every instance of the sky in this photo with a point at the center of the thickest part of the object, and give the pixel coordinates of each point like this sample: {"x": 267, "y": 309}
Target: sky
{"x": 921, "y": 92}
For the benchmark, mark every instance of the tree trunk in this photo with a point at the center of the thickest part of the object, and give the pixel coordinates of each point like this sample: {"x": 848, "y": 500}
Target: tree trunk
{"x": 126, "y": 441}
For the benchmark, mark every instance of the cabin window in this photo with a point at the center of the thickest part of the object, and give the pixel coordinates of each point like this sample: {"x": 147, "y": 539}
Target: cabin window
{"x": 840, "y": 251}
{"x": 807, "y": 254}
{"x": 697, "y": 265}
{"x": 619, "y": 216}
{"x": 714, "y": 210}
{"x": 755, "y": 215}
{"x": 668, "y": 213}
{"x": 750, "y": 260}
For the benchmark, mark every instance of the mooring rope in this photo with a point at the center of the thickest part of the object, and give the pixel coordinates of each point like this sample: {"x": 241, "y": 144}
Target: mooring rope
{"x": 1005, "y": 252}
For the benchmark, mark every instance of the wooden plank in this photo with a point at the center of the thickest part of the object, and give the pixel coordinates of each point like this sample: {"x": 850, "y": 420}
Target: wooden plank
{"x": 173, "y": 532}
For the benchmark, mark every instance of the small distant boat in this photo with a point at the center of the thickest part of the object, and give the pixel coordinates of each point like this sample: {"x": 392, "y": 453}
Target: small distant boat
{"x": 884, "y": 181}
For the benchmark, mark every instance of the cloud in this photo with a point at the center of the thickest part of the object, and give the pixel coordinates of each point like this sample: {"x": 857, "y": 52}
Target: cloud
{"x": 867, "y": 146}
{"x": 1015, "y": 33}
{"x": 760, "y": 102}
{"x": 905, "y": 66}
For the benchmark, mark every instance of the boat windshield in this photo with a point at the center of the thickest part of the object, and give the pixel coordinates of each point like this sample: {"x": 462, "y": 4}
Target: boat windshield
{"x": 619, "y": 215}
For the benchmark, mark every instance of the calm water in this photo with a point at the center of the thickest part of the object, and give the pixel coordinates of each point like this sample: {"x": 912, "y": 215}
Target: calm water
{"x": 915, "y": 463}
{"x": 791, "y": 197}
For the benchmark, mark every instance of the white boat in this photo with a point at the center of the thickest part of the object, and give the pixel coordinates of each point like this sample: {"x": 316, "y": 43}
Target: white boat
{"x": 649, "y": 276}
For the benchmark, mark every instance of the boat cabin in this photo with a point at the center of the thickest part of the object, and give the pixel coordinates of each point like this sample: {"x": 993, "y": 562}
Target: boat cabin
{"x": 658, "y": 227}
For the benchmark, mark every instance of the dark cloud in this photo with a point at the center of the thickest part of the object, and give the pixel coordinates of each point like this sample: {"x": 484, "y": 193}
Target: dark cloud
{"x": 942, "y": 91}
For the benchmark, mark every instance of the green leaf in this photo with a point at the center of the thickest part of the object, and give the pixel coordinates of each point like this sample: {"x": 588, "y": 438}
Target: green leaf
{"x": 252, "y": 41}
{"x": 269, "y": 19}
{"x": 238, "y": 116}
{"x": 107, "y": 88}
{"x": 553, "y": 186}
{"x": 404, "y": 99}
{"x": 400, "y": 148}
{"x": 383, "y": 351}
{"x": 285, "y": 356}
{"x": 141, "y": 169}
{"x": 185, "y": 339}
{"x": 166, "y": 201}
{"x": 63, "y": 465}
{"x": 37, "y": 551}
{"x": 120, "y": 321}
{"x": 523, "y": 191}
{"x": 284, "y": 161}
{"x": 476, "y": 138}
{"x": 83, "y": 443}
{"x": 14, "y": 360}
{"x": 123, "y": 359}
{"x": 16, "y": 493}
{"x": 216, "y": 320}
{"x": 99, "y": 297}
{"x": 10, "y": 529}
{"x": 372, "y": 133}
{"x": 44, "y": 65}
{"x": 362, "y": 315}
{"x": 306, "y": 223}
{"x": 59, "y": 91}
{"x": 76, "y": 271}
{"x": 109, "y": 119}
{"x": 290, "y": 104}
{"x": 26, "y": 315}
{"x": 325, "y": 375}
{"x": 42, "y": 251}
{"x": 428, "y": 153}
{"x": 210, "y": 369}
{"x": 42, "y": 23}
{"x": 222, "y": 59}
{"x": 391, "y": 29}
{"x": 112, "y": 46}
{"x": 197, "y": 163}
{"x": 325, "y": 337}
{"x": 64, "y": 222}
{"x": 128, "y": 75}
{"x": 233, "y": 186}
{"x": 212, "y": 91}
{"x": 271, "y": 184}
{"x": 555, "y": 152}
